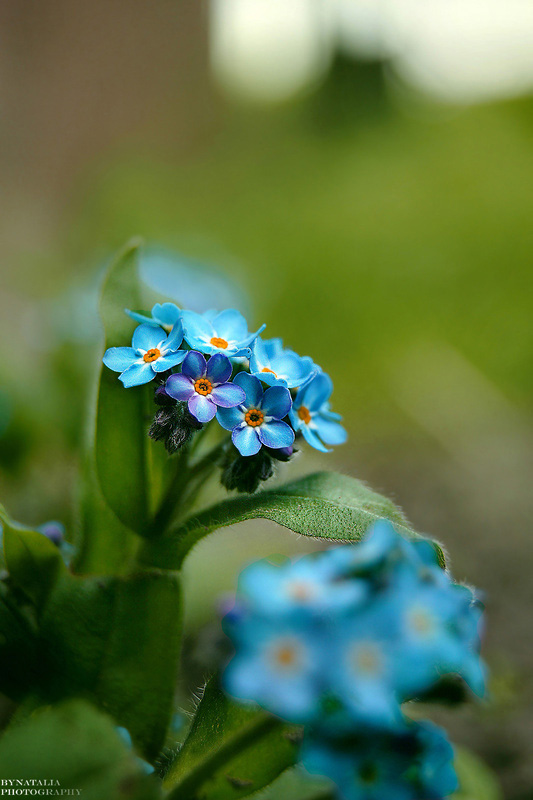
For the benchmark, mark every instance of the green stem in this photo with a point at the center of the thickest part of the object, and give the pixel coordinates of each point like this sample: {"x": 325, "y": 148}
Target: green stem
{"x": 185, "y": 786}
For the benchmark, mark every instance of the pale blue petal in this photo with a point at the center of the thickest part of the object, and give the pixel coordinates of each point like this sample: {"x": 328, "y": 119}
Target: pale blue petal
{"x": 202, "y": 407}
{"x": 138, "y": 317}
{"x": 198, "y": 330}
{"x": 137, "y": 374}
{"x": 167, "y": 362}
{"x": 252, "y": 387}
{"x": 229, "y": 418}
{"x": 228, "y": 395}
{"x": 312, "y": 439}
{"x": 258, "y": 356}
{"x": 146, "y": 337}
{"x": 119, "y": 358}
{"x": 180, "y": 387}
{"x": 273, "y": 347}
{"x": 166, "y": 313}
{"x": 231, "y": 325}
{"x": 316, "y": 392}
{"x": 329, "y": 431}
{"x": 219, "y": 368}
{"x": 276, "y": 402}
{"x": 276, "y": 434}
{"x": 246, "y": 440}
{"x": 194, "y": 365}
{"x": 175, "y": 337}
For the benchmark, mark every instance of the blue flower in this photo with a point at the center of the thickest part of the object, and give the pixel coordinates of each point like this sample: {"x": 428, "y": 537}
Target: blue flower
{"x": 151, "y": 352}
{"x": 258, "y": 420}
{"x": 439, "y": 632}
{"x": 279, "y": 665}
{"x": 414, "y": 765}
{"x": 311, "y": 414}
{"x": 205, "y": 385}
{"x": 225, "y": 333}
{"x": 275, "y": 366}
{"x": 307, "y": 585}
{"x": 163, "y": 314}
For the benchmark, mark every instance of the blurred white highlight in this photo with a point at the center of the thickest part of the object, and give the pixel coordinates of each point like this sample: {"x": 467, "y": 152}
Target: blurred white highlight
{"x": 457, "y": 50}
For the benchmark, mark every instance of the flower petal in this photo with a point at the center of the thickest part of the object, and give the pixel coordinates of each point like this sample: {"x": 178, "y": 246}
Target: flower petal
{"x": 329, "y": 430}
{"x": 180, "y": 387}
{"x": 119, "y": 358}
{"x": 312, "y": 439}
{"x": 229, "y": 418}
{"x": 138, "y": 317}
{"x": 277, "y": 402}
{"x": 194, "y": 365}
{"x": 198, "y": 330}
{"x": 145, "y": 337}
{"x": 276, "y": 434}
{"x": 252, "y": 387}
{"x": 202, "y": 407}
{"x": 219, "y": 368}
{"x": 246, "y": 440}
{"x": 228, "y": 395}
{"x": 175, "y": 337}
{"x": 166, "y": 313}
{"x": 316, "y": 392}
{"x": 258, "y": 356}
{"x": 230, "y": 324}
{"x": 171, "y": 360}
{"x": 137, "y": 374}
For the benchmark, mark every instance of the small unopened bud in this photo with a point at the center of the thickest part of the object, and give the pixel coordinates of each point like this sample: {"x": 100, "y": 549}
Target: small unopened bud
{"x": 245, "y": 473}
{"x": 282, "y": 453}
{"x": 173, "y": 425}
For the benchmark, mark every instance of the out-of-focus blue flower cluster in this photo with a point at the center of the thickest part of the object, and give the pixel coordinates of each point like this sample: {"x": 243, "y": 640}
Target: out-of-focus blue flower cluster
{"x": 263, "y": 393}
{"x": 340, "y": 640}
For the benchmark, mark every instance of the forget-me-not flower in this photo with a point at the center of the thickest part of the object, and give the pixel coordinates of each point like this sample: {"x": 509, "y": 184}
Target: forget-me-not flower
{"x": 414, "y": 765}
{"x": 163, "y": 314}
{"x": 259, "y": 419}
{"x": 151, "y": 352}
{"x": 311, "y": 414}
{"x": 275, "y": 366}
{"x": 225, "y": 333}
{"x": 279, "y": 665}
{"x": 204, "y": 385}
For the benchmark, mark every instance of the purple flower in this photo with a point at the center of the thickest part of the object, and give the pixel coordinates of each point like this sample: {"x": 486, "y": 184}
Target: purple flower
{"x": 205, "y": 385}
{"x": 259, "y": 419}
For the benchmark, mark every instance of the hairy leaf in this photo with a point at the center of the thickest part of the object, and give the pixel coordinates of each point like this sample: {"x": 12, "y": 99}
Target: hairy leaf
{"x": 77, "y": 748}
{"x": 231, "y": 750}
{"x": 325, "y": 505}
{"x": 116, "y": 641}
{"x": 34, "y": 563}
{"x": 121, "y": 440}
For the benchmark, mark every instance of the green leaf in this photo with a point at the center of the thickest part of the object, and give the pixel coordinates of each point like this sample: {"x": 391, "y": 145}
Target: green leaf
{"x": 78, "y": 747}
{"x": 34, "y": 563}
{"x": 104, "y": 545}
{"x": 231, "y": 750}
{"x": 297, "y": 784}
{"x": 19, "y": 662}
{"x": 116, "y": 641}
{"x": 121, "y": 442}
{"x": 476, "y": 780}
{"x": 325, "y": 505}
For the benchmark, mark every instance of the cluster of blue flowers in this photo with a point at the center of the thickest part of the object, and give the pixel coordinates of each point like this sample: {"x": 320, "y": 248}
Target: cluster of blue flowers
{"x": 340, "y": 640}
{"x": 263, "y": 393}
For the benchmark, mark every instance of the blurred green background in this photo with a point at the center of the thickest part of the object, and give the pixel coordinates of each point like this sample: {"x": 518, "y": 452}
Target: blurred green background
{"x": 377, "y": 226}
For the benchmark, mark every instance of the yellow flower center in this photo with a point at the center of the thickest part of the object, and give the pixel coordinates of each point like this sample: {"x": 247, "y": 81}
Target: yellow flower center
{"x": 266, "y": 369}
{"x": 152, "y": 355}
{"x": 217, "y": 342}
{"x": 203, "y": 386}
{"x": 254, "y": 417}
{"x": 304, "y": 414}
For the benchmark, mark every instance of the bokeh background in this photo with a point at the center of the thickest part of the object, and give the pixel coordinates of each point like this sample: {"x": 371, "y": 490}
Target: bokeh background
{"x": 363, "y": 171}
